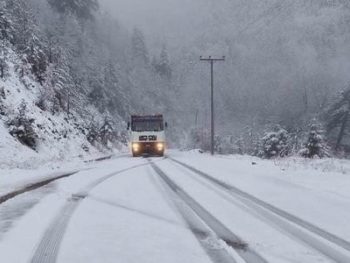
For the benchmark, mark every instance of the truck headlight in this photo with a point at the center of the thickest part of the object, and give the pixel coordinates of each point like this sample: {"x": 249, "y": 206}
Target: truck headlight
{"x": 160, "y": 146}
{"x": 135, "y": 147}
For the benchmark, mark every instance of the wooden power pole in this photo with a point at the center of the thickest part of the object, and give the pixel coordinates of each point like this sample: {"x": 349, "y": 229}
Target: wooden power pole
{"x": 212, "y": 60}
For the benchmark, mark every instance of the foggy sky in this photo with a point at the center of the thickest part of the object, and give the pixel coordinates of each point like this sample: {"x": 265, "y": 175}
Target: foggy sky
{"x": 161, "y": 20}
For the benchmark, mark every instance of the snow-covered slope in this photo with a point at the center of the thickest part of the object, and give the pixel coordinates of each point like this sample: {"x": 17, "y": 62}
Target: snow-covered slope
{"x": 58, "y": 138}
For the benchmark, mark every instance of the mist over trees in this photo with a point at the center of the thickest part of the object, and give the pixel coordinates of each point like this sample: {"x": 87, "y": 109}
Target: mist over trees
{"x": 88, "y": 66}
{"x": 287, "y": 65}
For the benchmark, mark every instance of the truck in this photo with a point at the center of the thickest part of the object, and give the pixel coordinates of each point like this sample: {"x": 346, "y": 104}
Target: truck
{"x": 147, "y": 135}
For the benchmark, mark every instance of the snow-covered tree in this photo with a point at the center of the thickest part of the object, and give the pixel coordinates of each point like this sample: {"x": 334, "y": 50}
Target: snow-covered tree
{"x": 118, "y": 100}
{"x": 21, "y": 127}
{"x": 139, "y": 50}
{"x": 315, "y": 144}
{"x": 83, "y": 9}
{"x": 162, "y": 64}
{"x": 338, "y": 117}
{"x": 106, "y": 133}
{"x": 26, "y": 37}
{"x": 92, "y": 134}
{"x": 2, "y": 98}
{"x": 6, "y": 29}
{"x": 6, "y": 38}
{"x": 3, "y": 59}
{"x": 275, "y": 144}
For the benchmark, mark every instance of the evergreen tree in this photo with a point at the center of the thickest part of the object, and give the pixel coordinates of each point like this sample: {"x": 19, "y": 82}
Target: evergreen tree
{"x": 57, "y": 88}
{"x": 92, "y": 135}
{"x": 162, "y": 65}
{"x": 2, "y": 98}
{"x": 106, "y": 132}
{"x": 338, "y": 117}
{"x": 6, "y": 29}
{"x": 315, "y": 145}
{"x": 82, "y": 9}
{"x": 26, "y": 38}
{"x": 117, "y": 100}
{"x": 138, "y": 47}
{"x": 3, "y": 58}
{"x": 6, "y": 38}
{"x": 95, "y": 68}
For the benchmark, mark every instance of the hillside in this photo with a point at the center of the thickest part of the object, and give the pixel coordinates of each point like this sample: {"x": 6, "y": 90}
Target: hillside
{"x": 56, "y": 137}
{"x": 69, "y": 79}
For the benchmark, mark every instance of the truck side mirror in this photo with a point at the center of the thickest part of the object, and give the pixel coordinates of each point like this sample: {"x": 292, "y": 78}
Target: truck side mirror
{"x": 128, "y": 126}
{"x": 166, "y": 125}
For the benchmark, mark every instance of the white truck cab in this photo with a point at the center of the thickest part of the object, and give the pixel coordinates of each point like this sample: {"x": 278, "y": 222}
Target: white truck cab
{"x": 147, "y": 135}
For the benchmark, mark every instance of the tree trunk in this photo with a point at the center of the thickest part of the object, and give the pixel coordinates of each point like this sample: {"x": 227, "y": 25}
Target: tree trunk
{"x": 342, "y": 130}
{"x": 2, "y": 73}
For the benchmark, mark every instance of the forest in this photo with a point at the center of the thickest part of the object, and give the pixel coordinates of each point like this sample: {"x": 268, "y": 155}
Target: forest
{"x": 283, "y": 90}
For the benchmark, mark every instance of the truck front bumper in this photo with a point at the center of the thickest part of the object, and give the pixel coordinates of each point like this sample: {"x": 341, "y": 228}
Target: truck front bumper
{"x": 139, "y": 148}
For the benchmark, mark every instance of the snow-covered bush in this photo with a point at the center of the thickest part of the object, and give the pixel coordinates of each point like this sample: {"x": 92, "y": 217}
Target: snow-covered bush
{"x": 315, "y": 144}
{"x": 275, "y": 144}
{"x": 21, "y": 127}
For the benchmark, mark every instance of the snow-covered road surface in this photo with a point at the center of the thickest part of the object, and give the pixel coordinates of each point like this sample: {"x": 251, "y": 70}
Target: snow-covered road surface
{"x": 185, "y": 208}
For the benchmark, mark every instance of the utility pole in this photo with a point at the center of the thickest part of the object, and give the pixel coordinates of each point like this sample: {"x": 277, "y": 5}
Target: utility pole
{"x": 212, "y": 60}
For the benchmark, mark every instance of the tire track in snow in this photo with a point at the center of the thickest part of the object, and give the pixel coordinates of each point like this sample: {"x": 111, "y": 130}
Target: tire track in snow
{"x": 41, "y": 183}
{"x": 33, "y": 186}
{"x": 49, "y": 246}
{"x": 282, "y": 219}
{"x": 221, "y": 232}
{"x": 16, "y": 208}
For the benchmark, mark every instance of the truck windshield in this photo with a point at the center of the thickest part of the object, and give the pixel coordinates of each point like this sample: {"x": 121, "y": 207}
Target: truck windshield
{"x": 147, "y": 125}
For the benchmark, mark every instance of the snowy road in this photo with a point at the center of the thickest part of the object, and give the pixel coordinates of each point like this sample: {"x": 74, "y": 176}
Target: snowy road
{"x": 186, "y": 207}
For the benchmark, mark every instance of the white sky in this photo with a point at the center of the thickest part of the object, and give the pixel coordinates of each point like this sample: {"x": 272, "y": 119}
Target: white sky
{"x": 168, "y": 20}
